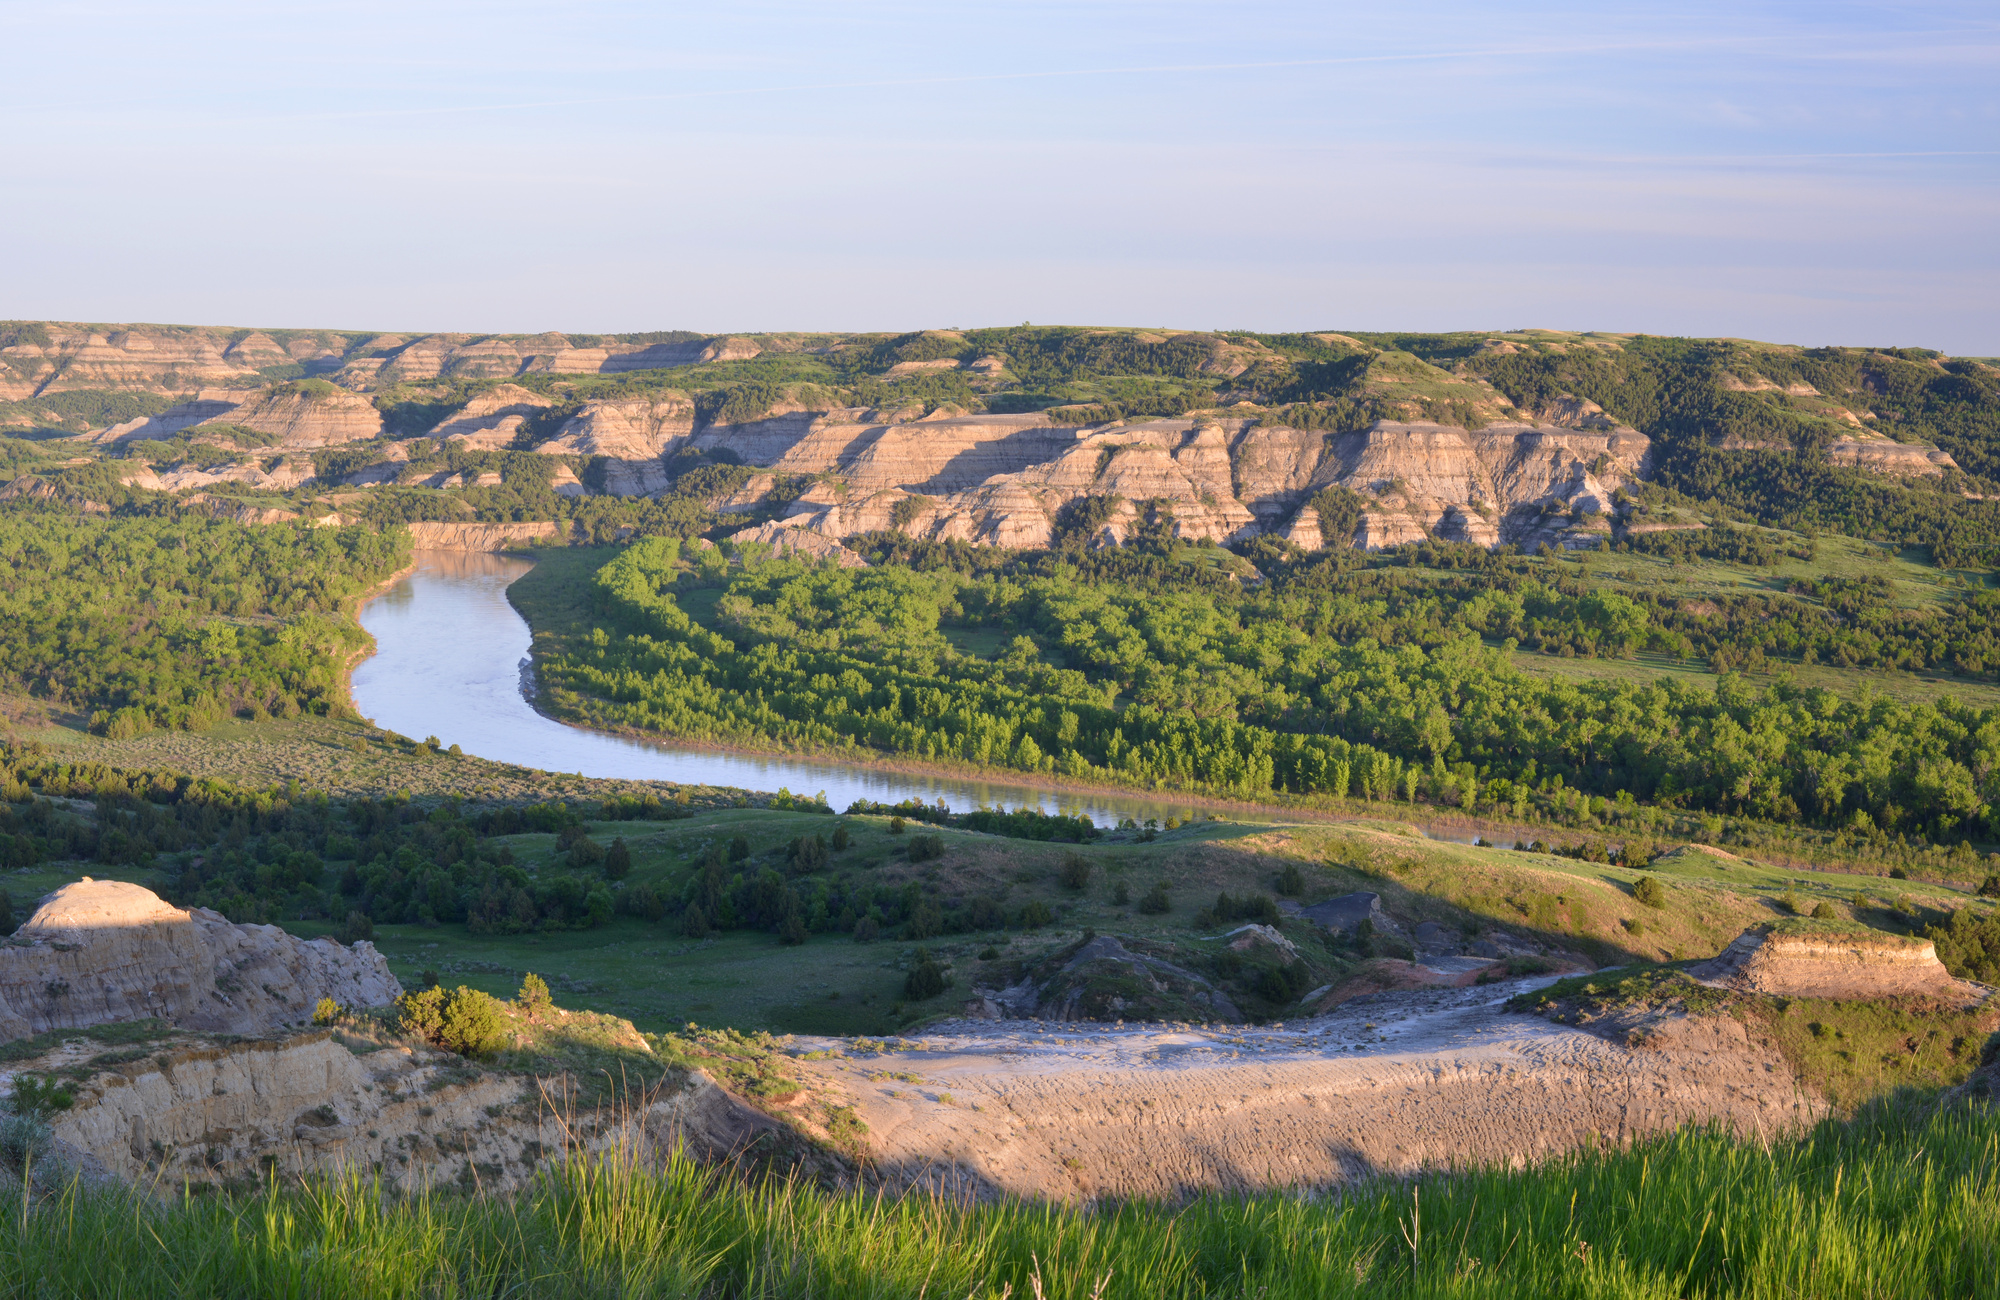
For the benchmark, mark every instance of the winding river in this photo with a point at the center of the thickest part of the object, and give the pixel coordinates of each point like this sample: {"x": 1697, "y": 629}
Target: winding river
{"x": 451, "y": 659}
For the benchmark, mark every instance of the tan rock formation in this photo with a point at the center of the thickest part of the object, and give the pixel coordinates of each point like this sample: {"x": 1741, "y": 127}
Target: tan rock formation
{"x": 1830, "y": 963}
{"x": 434, "y": 536}
{"x": 492, "y": 420}
{"x": 208, "y": 1112}
{"x": 1898, "y": 459}
{"x": 637, "y": 434}
{"x": 100, "y": 951}
{"x": 294, "y": 419}
{"x": 798, "y": 541}
{"x": 1304, "y": 530}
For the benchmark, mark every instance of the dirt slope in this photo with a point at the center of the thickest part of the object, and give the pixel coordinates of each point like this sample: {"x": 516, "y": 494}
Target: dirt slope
{"x": 1392, "y": 1084}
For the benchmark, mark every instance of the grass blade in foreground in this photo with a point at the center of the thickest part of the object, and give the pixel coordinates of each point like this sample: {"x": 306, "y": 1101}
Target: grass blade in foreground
{"x": 1887, "y": 1205}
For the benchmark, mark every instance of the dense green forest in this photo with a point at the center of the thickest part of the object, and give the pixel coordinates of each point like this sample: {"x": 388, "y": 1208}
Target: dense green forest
{"x": 1286, "y": 690}
{"x": 179, "y": 620}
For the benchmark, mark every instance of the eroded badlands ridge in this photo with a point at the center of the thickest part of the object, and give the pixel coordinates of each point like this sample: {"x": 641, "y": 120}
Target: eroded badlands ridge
{"x": 1432, "y": 450}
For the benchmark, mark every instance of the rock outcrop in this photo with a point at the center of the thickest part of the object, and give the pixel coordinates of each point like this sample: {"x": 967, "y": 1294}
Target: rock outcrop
{"x": 798, "y": 541}
{"x": 435, "y": 536}
{"x": 1827, "y": 962}
{"x": 206, "y": 1112}
{"x": 100, "y": 951}
{"x": 492, "y": 420}
{"x": 635, "y": 434}
{"x": 1896, "y": 459}
{"x": 1105, "y": 979}
{"x": 293, "y": 419}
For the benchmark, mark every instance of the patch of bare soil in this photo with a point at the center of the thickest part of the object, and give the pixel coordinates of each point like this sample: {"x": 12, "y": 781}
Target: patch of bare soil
{"x": 1389, "y": 1084}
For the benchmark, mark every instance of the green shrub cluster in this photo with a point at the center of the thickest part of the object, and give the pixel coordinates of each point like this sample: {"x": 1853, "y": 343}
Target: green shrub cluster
{"x": 463, "y": 1020}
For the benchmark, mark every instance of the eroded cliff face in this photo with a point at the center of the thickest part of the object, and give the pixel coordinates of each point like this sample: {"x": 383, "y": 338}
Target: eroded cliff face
{"x": 101, "y": 951}
{"x": 1005, "y": 480}
{"x": 1833, "y": 964}
{"x": 208, "y": 1112}
{"x": 290, "y": 419}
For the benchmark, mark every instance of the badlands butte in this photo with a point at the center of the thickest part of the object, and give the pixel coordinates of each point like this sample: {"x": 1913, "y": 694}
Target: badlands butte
{"x": 1009, "y": 438}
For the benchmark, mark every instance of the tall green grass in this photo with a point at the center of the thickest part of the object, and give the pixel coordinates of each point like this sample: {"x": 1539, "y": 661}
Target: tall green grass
{"x": 1886, "y": 1205}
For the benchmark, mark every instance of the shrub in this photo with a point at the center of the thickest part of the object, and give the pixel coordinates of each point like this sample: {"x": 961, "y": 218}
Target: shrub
{"x": 924, "y": 848}
{"x": 586, "y": 853}
{"x": 694, "y": 922}
{"x": 1291, "y": 881}
{"x": 792, "y": 930}
{"x": 895, "y": 825}
{"x": 1988, "y": 888}
{"x": 1036, "y": 915}
{"x": 925, "y": 980}
{"x": 926, "y": 921}
{"x": 1120, "y": 894}
{"x": 357, "y": 927}
{"x": 534, "y": 999}
{"x": 326, "y": 1011}
{"x": 464, "y": 1020}
{"x": 809, "y": 853}
{"x": 867, "y": 930}
{"x": 1649, "y": 891}
{"x": 1823, "y": 912}
{"x": 33, "y": 1096}
{"x": 1075, "y": 871}
{"x": 1250, "y": 907}
{"x": 617, "y": 860}
{"x": 840, "y": 838}
{"x": 739, "y": 849}
{"x": 1791, "y": 902}
{"x": 1156, "y": 902}
{"x": 645, "y": 902}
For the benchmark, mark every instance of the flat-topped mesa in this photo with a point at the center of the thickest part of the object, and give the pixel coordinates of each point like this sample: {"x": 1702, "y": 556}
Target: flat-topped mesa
{"x": 101, "y": 951}
{"x": 1794, "y": 960}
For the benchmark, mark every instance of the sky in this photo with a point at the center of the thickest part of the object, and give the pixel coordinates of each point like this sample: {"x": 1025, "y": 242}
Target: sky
{"x": 1804, "y": 173}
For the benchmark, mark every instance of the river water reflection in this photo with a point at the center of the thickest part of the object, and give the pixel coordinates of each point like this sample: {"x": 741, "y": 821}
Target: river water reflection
{"x": 450, "y": 659}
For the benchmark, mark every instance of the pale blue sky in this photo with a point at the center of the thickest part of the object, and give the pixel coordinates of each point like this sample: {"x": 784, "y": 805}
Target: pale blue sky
{"x": 1806, "y": 173}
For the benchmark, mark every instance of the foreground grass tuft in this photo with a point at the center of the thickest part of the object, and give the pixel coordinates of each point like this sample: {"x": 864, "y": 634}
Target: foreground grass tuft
{"x": 1890, "y": 1204}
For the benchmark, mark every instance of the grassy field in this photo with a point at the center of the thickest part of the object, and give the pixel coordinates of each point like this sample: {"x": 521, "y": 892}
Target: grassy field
{"x": 1891, "y": 1204}
{"x": 1906, "y": 569}
{"x": 345, "y": 759}
{"x": 1909, "y": 687}
{"x": 653, "y": 975}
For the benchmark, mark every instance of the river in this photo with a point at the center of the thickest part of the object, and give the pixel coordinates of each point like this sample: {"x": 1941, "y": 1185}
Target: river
{"x": 451, "y": 658}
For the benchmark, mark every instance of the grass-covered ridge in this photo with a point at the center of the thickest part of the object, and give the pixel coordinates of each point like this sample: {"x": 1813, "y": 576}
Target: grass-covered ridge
{"x": 1891, "y": 1204}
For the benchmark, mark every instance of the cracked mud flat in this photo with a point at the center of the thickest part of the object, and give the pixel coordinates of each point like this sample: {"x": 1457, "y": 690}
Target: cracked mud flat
{"x": 1387, "y": 1085}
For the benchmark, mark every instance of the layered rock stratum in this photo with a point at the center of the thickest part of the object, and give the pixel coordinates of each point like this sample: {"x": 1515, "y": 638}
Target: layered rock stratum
{"x": 1833, "y": 963}
{"x": 100, "y": 951}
